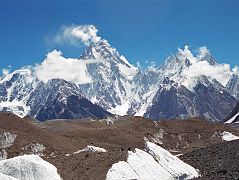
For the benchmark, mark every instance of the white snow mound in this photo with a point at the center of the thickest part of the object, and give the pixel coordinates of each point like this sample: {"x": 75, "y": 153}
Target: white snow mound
{"x": 156, "y": 163}
{"x": 28, "y": 167}
{"x": 227, "y": 136}
{"x": 91, "y": 149}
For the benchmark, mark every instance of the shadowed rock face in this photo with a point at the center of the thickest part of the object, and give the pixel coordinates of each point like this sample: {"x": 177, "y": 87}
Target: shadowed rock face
{"x": 59, "y": 99}
{"x": 178, "y": 102}
{"x": 233, "y": 85}
{"x": 234, "y": 114}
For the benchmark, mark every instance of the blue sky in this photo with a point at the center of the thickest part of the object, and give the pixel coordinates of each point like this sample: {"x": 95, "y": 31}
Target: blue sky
{"x": 142, "y": 30}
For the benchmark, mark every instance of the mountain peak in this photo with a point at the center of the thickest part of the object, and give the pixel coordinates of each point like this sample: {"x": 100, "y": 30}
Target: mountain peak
{"x": 103, "y": 50}
{"x": 204, "y": 55}
{"x": 99, "y": 50}
{"x": 186, "y": 55}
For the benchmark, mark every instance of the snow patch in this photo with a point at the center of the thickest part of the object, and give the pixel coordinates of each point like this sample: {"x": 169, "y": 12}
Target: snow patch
{"x": 18, "y": 108}
{"x": 232, "y": 119}
{"x": 91, "y": 149}
{"x": 227, "y": 136}
{"x": 110, "y": 119}
{"x": 120, "y": 109}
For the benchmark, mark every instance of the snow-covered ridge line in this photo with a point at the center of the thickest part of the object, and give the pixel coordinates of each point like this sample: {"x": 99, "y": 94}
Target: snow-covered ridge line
{"x": 156, "y": 163}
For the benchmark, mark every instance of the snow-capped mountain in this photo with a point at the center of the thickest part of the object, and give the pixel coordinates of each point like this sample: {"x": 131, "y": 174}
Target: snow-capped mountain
{"x": 113, "y": 78}
{"x": 58, "y": 99}
{"x": 15, "y": 89}
{"x": 233, "y": 85}
{"x": 176, "y": 101}
{"x": 23, "y": 94}
{"x": 188, "y": 90}
{"x": 185, "y": 85}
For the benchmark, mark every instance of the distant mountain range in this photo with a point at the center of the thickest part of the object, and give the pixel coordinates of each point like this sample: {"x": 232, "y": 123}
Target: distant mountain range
{"x": 184, "y": 86}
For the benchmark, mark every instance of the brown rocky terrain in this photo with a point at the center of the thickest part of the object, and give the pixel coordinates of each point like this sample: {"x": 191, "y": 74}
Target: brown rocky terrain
{"x": 61, "y": 138}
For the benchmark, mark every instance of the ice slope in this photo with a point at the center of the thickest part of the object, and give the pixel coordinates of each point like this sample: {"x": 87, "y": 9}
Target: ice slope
{"x": 154, "y": 163}
{"x": 28, "y": 167}
{"x": 15, "y": 89}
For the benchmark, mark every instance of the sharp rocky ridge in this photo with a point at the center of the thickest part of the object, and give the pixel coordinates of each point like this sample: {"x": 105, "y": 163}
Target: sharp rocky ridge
{"x": 118, "y": 87}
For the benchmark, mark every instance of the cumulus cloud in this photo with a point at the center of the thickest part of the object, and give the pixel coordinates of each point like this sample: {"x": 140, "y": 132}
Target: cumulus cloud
{"x": 199, "y": 67}
{"x": 203, "y": 50}
{"x": 186, "y": 53}
{"x": 55, "y": 66}
{"x": 77, "y": 34}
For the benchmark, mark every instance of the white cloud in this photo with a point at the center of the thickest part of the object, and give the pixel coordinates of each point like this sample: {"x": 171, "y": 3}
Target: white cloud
{"x": 235, "y": 70}
{"x": 138, "y": 64}
{"x": 6, "y": 71}
{"x": 77, "y": 34}
{"x": 55, "y": 66}
{"x": 186, "y": 54}
{"x": 203, "y": 50}
{"x": 220, "y": 72}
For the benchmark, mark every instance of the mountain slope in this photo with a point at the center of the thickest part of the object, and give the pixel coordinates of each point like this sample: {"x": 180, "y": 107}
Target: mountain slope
{"x": 113, "y": 76}
{"x": 23, "y": 94}
{"x": 15, "y": 89}
{"x": 233, "y": 85}
{"x": 188, "y": 91}
{"x": 58, "y": 99}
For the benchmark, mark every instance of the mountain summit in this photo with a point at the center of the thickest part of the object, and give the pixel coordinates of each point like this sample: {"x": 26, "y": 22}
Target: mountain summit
{"x": 102, "y": 50}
